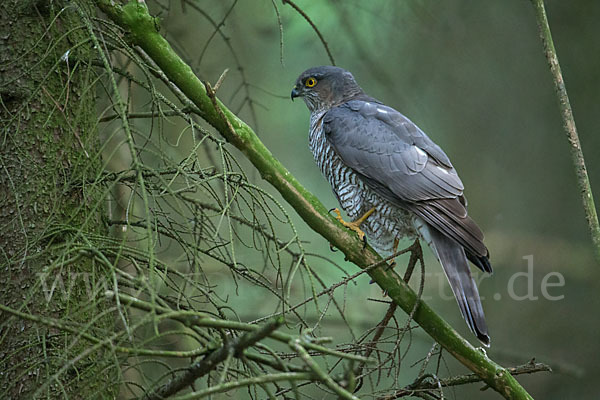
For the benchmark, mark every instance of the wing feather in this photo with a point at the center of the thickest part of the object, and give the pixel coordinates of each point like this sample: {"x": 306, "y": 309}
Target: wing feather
{"x": 403, "y": 165}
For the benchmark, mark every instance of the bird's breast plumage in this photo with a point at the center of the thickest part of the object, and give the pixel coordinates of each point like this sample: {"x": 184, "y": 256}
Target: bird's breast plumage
{"x": 356, "y": 197}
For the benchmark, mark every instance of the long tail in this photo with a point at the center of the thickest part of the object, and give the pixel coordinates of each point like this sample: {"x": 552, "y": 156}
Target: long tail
{"x": 454, "y": 262}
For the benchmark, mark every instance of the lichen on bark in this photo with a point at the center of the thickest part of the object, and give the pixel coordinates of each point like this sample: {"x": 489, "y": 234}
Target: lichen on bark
{"x": 49, "y": 148}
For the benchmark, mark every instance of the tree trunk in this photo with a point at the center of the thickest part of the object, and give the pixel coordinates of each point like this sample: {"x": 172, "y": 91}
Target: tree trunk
{"x": 48, "y": 154}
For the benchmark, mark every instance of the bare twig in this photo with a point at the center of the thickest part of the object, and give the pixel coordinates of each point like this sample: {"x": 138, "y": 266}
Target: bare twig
{"x": 239, "y": 67}
{"x": 312, "y": 24}
{"x": 280, "y": 25}
{"x": 569, "y": 124}
{"x": 422, "y": 383}
{"x": 204, "y": 320}
{"x": 221, "y": 80}
{"x": 211, "y": 93}
{"x": 343, "y": 282}
{"x": 234, "y": 347}
{"x": 415, "y": 254}
{"x": 324, "y": 377}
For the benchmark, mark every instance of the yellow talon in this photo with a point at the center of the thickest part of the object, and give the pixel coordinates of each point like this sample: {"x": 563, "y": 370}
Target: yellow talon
{"x": 354, "y": 225}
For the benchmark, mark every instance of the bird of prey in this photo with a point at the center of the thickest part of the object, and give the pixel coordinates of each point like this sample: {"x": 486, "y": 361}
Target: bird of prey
{"x": 393, "y": 181}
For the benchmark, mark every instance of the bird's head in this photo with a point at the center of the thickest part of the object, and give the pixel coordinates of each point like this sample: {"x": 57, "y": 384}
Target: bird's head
{"x": 325, "y": 87}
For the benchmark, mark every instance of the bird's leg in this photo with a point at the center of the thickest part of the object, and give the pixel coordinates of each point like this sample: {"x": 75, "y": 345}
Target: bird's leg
{"x": 354, "y": 225}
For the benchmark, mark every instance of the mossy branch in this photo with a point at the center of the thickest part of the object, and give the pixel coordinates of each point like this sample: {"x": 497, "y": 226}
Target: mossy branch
{"x": 566, "y": 114}
{"x": 143, "y": 30}
{"x": 428, "y": 382}
{"x": 234, "y": 347}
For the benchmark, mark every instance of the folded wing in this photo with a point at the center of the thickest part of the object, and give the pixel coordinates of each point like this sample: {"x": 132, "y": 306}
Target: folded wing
{"x": 403, "y": 165}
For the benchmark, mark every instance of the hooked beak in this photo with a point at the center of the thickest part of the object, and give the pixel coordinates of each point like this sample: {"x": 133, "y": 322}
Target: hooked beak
{"x": 295, "y": 93}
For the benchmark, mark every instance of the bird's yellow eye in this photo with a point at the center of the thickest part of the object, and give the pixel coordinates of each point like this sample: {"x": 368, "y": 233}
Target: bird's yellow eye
{"x": 310, "y": 82}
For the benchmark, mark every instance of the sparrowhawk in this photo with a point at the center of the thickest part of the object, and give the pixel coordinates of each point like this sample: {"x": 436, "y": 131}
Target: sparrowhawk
{"x": 393, "y": 181}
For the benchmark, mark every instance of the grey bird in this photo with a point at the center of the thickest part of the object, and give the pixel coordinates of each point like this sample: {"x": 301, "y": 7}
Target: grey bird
{"x": 393, "y": 181}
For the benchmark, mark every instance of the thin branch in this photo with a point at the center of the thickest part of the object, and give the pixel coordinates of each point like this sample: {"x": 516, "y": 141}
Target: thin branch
{"x": 257, "y": 380}
{"x": 280, "y": 25}
{"x": 200, "y": 319}
{"x": 324, "y": 377}
{"x": 416, "y": 254}
{"x": 245, "y": 84}
{"x": 569, "y": 124}
{"x": 234, "y": 347}
{"x": 108, "y": 343}
{"x": 423, "y": 384}
{"x": 343, "y": 282}
{"x": 312, "y": 24}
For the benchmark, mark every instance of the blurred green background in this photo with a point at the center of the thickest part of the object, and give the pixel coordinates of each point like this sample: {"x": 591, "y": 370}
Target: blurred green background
{"x": 473, "y": 76}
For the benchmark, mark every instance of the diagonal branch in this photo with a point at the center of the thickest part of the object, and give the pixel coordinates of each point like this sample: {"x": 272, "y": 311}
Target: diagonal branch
{"x": 427, "y": 382}
{"x": 566, "y": 113}
{"x": 234, "y": 347}
{"x": 144, "y": 31}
